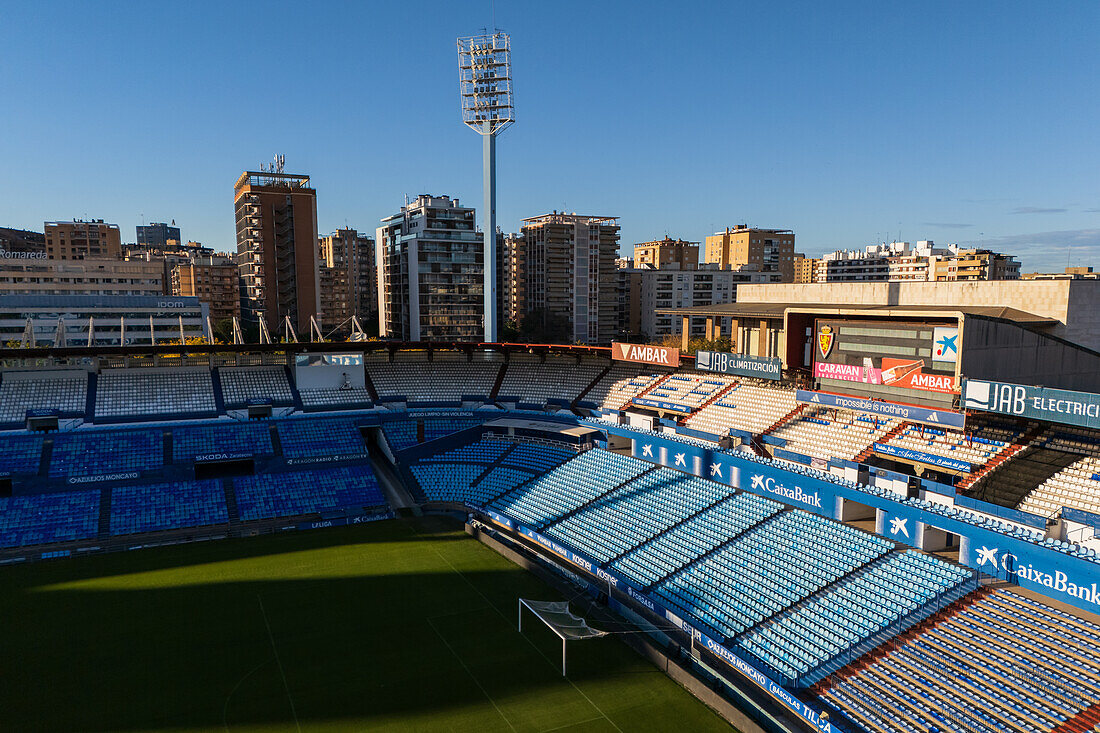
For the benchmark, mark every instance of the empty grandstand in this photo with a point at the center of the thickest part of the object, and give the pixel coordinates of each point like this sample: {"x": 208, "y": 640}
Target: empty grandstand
{"x": 844, "y": 556}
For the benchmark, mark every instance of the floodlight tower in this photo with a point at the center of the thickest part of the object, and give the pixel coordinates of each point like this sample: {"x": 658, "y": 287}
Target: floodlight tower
{"x": 485, "y": 88}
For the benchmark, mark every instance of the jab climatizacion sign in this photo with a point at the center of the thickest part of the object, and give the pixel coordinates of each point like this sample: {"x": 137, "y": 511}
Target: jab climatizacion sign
{"x": 742, "y": 365}
{"x": 1038, "y": 403}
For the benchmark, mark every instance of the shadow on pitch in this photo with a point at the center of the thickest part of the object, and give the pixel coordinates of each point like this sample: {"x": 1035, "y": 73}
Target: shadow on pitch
{"x": 242, "y": 653}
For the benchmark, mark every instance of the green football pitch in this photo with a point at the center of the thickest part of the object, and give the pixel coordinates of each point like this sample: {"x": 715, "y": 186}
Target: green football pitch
{"x": 401, "y": 625}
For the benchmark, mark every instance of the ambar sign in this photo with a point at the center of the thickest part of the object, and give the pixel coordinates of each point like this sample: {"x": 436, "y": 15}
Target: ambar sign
{"x": 645, "y": 354}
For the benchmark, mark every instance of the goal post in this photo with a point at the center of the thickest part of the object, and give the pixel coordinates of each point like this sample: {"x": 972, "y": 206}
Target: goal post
{"x": 556, "y": 616}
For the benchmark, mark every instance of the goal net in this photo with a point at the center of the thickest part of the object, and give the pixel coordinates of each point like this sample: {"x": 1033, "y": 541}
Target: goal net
{"x": 556, "y": 615}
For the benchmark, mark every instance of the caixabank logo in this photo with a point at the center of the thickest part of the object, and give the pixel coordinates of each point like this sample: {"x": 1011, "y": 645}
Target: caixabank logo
{"x": 990, "y": 559}
{"x": 768, "y": 485}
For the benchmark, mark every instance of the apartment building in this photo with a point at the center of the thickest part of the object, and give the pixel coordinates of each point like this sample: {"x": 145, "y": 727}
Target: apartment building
{"x": 157, "y": 235}
{"x": 20, "y": 243}
{"x": 348, "y": 278}
{"x": 570, "y": 274}
{"x": 80, "y": 240}
{"x": 805, "y": 269}
{"x": 430, "y": 263}
{"x": 644, "y": 290}
{"x": 666, "y": 251}
{"x": 919, "y": 262}
{"x": 513, "y": 276}
{"x": 276, "y": 216}
{"x": 37, "y": 276}
{"x": 754, "y": 250}
{"x": 213, "y": 280}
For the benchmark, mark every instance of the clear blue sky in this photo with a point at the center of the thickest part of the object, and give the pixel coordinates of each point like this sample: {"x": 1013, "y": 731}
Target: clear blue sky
{"x": 847, "y": 122}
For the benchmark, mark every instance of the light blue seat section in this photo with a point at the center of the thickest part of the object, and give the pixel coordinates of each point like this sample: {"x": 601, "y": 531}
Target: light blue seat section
{"x": 483, "y": 452}
{"x": 294, "y": 493}
{"x": 175, "y": 505}
{"x": 253, "y": 438}
{"x": 447, "y": 481}
{"x": 325, "y": 436}
{"x": 697, "y": 536}
{"x": 537, "y": 458}
{"x": 635, "y": 512}
{"x": 854, "y": 609}
{"x": 401, "y": 434}
{"x": 20, "y": 453}
{"x": 40, "y": 519}
{"x": 496, "y": 482}
{"x": 566, "y": 488}
{"x": 768, "y": 569}
{"x": 93, "y": 452}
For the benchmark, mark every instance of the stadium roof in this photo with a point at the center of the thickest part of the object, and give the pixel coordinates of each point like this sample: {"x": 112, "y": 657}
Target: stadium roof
{"x": 778, "y": 310}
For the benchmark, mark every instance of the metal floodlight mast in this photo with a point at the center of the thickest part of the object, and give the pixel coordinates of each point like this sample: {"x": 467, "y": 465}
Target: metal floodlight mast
{"x": 485, "y": 88}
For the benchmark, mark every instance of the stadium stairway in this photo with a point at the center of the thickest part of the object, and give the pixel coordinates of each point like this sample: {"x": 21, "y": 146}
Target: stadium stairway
{"x": 276, "y": 441}
{"x": 299, "y": 406}
{"x": 795, "y": 412}
{"x": 586, "y": 390}
{"x": 1025, "y": 440}
{"x": 511, "y": 447}
{"x": 892, "y": 644}
{"x": 823, "y": 590}
{"x": 89, "y": 397}
{"x": 1084, "y": 721}
{"x": 869, "y": 451}
{"x": 104, "y": 526}
{"x": 498, "y": 381}
{"x": 232, "y": 511}
{"x": 730, "y": 540}
{"x": 1015, "y": 479}
{"x": 369, "y": 384}
{"x": 219, "y": 398}
{"x": 647, "y": 390}
{"x": 709, "y": 401}
{"x": 47, "y": 456}
{"x": 594, "y": 499}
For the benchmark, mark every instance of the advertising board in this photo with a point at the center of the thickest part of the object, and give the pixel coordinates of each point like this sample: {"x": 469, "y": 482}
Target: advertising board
{"x": 913, "y": 413}
{"x": 1038, "y": 403}
{"x": 914, "y": 356}
{"x": 742, "y": 365}
{"x": 646, "y": 354}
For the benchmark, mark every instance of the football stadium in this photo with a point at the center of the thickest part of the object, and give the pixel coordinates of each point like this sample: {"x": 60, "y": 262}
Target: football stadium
{"x": 327, "y": 536}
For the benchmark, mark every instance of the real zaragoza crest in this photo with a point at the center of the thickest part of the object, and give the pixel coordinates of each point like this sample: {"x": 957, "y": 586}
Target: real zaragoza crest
{"x": 825, "y": 338}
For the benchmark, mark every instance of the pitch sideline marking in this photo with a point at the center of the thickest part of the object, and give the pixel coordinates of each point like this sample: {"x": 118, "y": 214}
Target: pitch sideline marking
{"x": 471, "y": 674}
{"x": 533, "y": 645}
{"x": 279, "y": 662}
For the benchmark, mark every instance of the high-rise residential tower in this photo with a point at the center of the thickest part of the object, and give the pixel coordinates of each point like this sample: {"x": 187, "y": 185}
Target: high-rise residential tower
{"x": 430, "y": 272}
{"x": 277, "y": 247}
{"x": 348, "y": 277}
{"x": 568, "y": 264}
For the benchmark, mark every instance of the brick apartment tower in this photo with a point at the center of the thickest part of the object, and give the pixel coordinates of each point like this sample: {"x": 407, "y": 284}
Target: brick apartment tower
{"x": 277, "y": 248}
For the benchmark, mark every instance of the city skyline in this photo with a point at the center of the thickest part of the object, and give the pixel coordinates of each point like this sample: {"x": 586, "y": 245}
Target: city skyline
{"x": 855, "y": 132}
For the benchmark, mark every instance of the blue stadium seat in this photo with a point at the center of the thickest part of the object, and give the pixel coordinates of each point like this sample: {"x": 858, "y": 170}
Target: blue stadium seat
{"x": 93, "y": 452}
{"x": 176, "y": 505}
{"x": 40, "y": 519}
{"x": 253, "y": 438}
{"x": 20, "y": 453}
{"x": 320, "y": 436}
{"x": 295, "y": 493}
